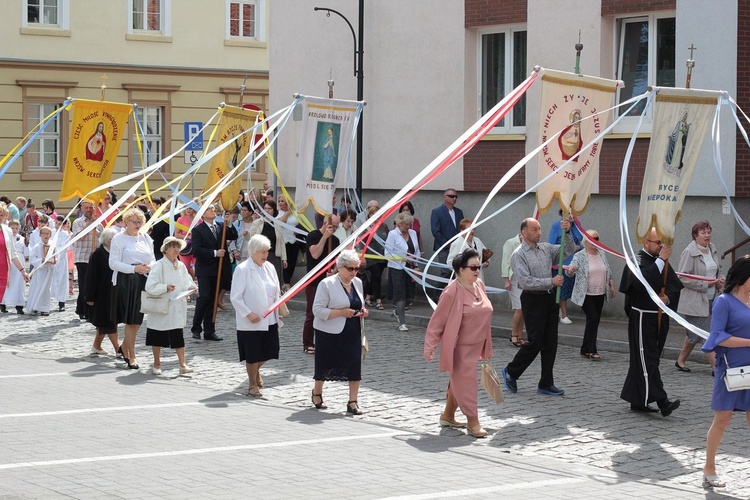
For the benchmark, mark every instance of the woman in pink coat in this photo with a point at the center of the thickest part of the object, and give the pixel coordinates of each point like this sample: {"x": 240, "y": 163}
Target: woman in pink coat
{"x": 461, "y": 325}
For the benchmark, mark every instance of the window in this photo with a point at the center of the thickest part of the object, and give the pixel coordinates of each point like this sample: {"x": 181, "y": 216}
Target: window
{"x": 245, "y": 19}
{"x": 646, "y": 56}
{"x": 45, "y": 13}
{"x": 149, "y": 16}
{"x": 151, "y": 120}
{"x": 43, "y": 155}
{"x": 502, "y": 63}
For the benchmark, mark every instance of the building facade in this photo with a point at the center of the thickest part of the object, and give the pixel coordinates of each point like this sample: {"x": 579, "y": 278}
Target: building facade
{"x": 178, "y": 60}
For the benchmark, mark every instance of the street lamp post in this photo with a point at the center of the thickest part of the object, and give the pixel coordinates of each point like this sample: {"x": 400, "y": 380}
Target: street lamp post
{"x": 359, "y": 73}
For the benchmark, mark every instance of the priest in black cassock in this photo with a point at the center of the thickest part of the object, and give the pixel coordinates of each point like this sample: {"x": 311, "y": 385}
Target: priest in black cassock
{"x": 647, "y": 329}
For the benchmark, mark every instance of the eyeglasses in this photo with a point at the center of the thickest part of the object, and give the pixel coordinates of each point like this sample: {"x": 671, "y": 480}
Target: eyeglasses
{"x": 473, "y": 268}
{"x": 596, "y": 238}
{"x": 454, "y": 196}
{"x": 658, "y": 242}
{"x": 352, "y": 269}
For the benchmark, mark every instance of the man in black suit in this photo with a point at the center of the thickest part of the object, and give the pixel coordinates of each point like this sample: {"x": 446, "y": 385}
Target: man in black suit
{"x": 444, "y": 222}
{"x": 208, "y": 248}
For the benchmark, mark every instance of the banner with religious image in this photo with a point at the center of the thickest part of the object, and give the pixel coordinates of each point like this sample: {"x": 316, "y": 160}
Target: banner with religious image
{"x": 97, "y": 128}
{"x": 232, "y": 122}
{"x": 567, "y": 99}
{"x": 328, "y": 127}
{"x": 681, "y": 117}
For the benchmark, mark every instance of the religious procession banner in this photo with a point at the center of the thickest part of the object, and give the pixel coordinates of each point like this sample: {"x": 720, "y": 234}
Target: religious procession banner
{"x": 567, "y": 99}
{"x": 681, "y": 117}
{"x": 232, "y": 122}
{"x": 328, "y": 127}
{"x": 97, "y": 129}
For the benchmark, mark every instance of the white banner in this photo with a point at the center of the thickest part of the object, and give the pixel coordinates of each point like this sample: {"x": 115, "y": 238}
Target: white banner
{"x": 567, "y": 100}
{"x": 327, "y": 133}
{"x": 680, "y": 120}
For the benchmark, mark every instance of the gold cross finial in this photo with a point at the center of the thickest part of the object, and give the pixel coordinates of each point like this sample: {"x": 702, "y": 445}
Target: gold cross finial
{"x": 104, "y": 84}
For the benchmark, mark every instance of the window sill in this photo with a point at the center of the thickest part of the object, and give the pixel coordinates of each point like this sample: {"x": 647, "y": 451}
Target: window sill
{"x": 147, "y": 37}
{"x": 40, "y": 175}
{"x": 237, "y": 42}
{"x": 504, "y": 137}
{"x": 50, "y": 31}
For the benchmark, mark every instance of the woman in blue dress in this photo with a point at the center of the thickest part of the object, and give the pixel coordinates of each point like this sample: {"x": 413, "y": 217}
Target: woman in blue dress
{"x": 730, "y": 340}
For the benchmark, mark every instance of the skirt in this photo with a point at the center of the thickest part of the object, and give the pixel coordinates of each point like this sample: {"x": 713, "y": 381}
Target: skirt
{"x": 165, "y": 338}
{"x": 126, "y": 299}
{"x": 256, "y": 346}
{"x": 703, "y": 322}
{"x": 338, "y": 357}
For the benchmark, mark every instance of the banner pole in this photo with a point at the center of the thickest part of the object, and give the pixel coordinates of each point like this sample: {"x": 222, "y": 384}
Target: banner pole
{"x": 560, "y": 260}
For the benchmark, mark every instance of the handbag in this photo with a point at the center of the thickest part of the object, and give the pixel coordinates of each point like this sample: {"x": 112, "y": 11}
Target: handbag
{"x": 491, "y": 382}
{"x": 158, "y": 304}
{"x": 487, "y": 254}
{"x": 736, "y": 379}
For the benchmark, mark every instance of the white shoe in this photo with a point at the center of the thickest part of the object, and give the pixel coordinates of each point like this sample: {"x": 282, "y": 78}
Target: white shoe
{"x": 566, "y": 321}
{"x": 403, "y": 328}
{"x": 185, "y": 369}
{"x": 155, "y": 370}
{"x": 94, "y": 351}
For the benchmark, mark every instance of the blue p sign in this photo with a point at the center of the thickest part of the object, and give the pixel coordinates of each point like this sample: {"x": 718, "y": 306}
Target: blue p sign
{"x": 194, "y": 136}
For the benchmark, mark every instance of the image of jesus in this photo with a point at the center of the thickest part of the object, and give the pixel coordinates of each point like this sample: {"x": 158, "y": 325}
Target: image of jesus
{"x": 96, "y": 144}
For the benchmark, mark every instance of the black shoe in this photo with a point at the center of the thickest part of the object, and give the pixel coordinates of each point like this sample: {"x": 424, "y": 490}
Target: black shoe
{"x": 19, "y": 310}
{"x": 667, "y": 407}
{"x": 682, "y": 368}
{"x": 551, "y": 390}
{"x": 3, "y": 309}
{"x": 61, "y": 306}
{"x": 643, "y": 409}
{"x": 510, "y": 382}
{"x": 82, "y": 317}
{"x": 212, "y": 336}
{"x": 197, "y": 335}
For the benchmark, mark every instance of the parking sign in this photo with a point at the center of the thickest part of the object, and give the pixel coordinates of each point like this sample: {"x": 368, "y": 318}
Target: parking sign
{"x": 194, "y": 136}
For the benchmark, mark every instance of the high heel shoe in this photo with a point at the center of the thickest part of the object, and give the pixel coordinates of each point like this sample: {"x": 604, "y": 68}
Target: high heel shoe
{"x": 353, "y": 408}
{"x": 713, "y": 481}
{"x": 321, "y": 405}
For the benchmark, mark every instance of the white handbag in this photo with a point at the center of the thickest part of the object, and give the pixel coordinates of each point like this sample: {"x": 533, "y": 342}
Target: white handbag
{"x": 158, "y": 304}
{"x": 736, "y": 379}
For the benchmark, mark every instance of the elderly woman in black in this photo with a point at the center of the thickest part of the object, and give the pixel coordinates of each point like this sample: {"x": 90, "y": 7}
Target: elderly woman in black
{"x": 98, "y": 289}
{"x": 265, "y": 226}
{"x": 339, "y": 309}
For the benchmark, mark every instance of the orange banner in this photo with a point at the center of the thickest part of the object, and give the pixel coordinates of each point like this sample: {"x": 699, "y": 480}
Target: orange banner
{"x": 96, "y": 132}
{"x": 233, "y": 122}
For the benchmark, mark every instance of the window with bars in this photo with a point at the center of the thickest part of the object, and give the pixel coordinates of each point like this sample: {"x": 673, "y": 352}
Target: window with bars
{"x": 502, "y": 56}
{"x": 44, "y": 153}
{"x": 150, "y": 121}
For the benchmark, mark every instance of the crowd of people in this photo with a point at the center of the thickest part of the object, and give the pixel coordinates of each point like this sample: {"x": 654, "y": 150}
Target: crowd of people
{"x": 251, "y": 251}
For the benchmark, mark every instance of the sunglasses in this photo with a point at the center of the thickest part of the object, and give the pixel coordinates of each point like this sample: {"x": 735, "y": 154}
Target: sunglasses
{"x": 658, "y": 242}
{"x": 454, "y": 196}
{"x": 352, "y": 269}
{"x": 473, "y": 268}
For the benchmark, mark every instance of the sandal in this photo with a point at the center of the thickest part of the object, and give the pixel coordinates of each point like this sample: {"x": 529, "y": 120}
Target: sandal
{"x": 254, "y": 392}
{"x": 595, "y": 357}
{"x": 321, "y": 405}
{"x": 353, "y": 408}
{"x": 309, "y": 350}
{"x": 379, "y": 306}
{"x": 713, "y": 481}
{"x": 517, "y": 342}
{"x": 368, "y": 302}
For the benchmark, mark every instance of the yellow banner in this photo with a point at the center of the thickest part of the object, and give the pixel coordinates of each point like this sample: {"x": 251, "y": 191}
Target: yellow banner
{"x": 233, "y": 122}
{"x": 96, "y": 132}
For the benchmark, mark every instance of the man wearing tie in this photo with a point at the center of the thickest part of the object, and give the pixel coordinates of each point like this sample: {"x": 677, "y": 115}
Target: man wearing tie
{"x": 208, "y": 249}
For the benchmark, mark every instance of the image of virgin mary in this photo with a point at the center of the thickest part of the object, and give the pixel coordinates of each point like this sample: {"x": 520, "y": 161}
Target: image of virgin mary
{"x": 676, "y": 142}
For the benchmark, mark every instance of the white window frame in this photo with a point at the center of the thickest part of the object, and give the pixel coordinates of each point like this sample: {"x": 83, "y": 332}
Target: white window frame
{"x": 260, "y": 20}
{"x": 165, "y": 18}
{"x": 509, "y": 31}
{"x": 63, "y": 15}
{"x": 628, "y": 123}
{"x": 47, "y": 134}
{"x": 146, "y": 138}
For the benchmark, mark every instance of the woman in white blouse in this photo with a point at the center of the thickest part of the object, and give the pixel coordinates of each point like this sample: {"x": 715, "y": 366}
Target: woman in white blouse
{"x": 593, "y": 285}
{"x": 255, "y": 287}
{"x": 169, "y": 276}
{"x": 131, "y": 256}
{"x": 401, "y": 249}
{"x": 460, "y": 244}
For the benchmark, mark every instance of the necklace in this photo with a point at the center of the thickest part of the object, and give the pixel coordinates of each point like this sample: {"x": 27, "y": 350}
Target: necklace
{"x": 472, "y": 290}
{"x": 746, "y": 300}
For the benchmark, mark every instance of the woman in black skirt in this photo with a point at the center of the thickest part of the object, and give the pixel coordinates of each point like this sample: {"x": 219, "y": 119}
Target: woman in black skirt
{"x": 98, "y": 288}
{"x": 131, "y": 255}
{"x": 255, "y": 287}
{"x": 339, "y": 309}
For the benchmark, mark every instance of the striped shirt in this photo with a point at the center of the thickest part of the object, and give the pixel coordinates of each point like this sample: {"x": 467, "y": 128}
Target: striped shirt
{"x": 82, "y": 248}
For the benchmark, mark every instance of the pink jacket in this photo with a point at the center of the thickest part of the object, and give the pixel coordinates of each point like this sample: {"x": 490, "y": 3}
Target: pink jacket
{"x": 444, "y": 325}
